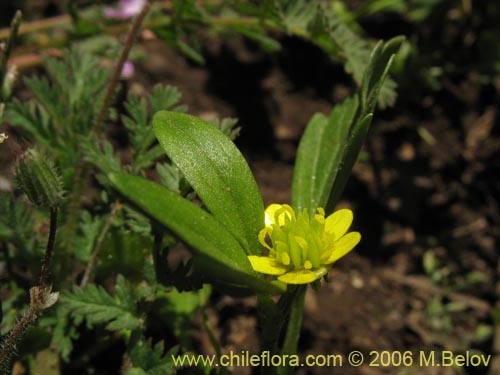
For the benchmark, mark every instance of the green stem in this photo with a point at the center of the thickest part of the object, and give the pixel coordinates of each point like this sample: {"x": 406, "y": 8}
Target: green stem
{"x": 8, "y": 348}
{"x": 276, "y": 333}
{"x": 290, "y": 345}
{"x": 210, "y": 332}
{"x": 45, "y": 273}
{"x": 98, "y": 245}
{"x": 38, "y": 301}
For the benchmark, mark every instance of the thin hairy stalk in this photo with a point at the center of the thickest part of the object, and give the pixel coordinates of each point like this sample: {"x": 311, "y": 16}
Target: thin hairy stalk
{"x": 119, "y": 66}
{"x": 210, "y": 332}
{"x": 82, "y": 170}
{"x": 12, "y": 34}
{"x": 45, "y": 273}
{"x": 8, "y": 348}
{"x": 99, "y": 244}
{"x": 40, "y": 299}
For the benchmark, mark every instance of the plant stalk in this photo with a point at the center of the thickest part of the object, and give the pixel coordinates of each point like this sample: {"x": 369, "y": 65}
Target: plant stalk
{"x": 83, "y": 169}
{"x": 13, "y": 31}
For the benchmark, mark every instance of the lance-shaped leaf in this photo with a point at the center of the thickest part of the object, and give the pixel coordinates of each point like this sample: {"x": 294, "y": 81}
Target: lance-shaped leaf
{"x": 223, "y": 258}
{"x": 376, "y": 72}
{"x": 329, "y": 148}
{"x": 349, "y": 157}
{"x": 217, "y": 172}
{"x": 319, "y": 156}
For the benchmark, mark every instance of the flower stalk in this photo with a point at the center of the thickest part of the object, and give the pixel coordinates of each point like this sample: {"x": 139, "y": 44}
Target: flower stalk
{"x": 82, "y": 169}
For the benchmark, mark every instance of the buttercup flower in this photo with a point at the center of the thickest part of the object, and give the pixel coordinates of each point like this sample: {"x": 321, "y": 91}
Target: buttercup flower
{"x": 301, "y": 249}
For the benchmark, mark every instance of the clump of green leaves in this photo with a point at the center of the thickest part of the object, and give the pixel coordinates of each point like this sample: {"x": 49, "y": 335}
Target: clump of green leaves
{"x": 207, "y": 197}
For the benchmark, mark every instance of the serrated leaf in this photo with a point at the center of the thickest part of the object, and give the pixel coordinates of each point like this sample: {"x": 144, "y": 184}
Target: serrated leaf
{"x": 217, "y": 172}
{"x": 222, "y": 256}
{"x": 356, "y": 51}
{"x": 259, "y": 36}
{"x": 103, "y": 157}
{"x": 89, "y": 229}
{"x": 98, "y": 307}
{"x": 151, "y": 360}
{"x": 319, "y": 156}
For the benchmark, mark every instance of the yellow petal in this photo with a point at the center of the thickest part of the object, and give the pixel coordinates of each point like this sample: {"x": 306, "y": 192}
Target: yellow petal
{"x": 270, "y": 214}
{"x": 267, "y": 265}
{"x": 262, "y": 237}
{"x": 343, "y": 246}
{"x": 302, "y": 276}
{"x": 339, "y": 222}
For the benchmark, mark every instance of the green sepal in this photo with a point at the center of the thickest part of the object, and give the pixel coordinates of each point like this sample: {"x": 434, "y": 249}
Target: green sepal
{"x": 223, "y": 258}
{"x": 217, "y": 172}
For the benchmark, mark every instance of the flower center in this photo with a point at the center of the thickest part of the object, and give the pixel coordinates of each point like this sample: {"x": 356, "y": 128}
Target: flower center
{"x": 296, "y": 241}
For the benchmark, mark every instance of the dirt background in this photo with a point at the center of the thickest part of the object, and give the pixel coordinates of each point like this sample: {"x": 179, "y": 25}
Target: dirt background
{"x": 425, "y": 188}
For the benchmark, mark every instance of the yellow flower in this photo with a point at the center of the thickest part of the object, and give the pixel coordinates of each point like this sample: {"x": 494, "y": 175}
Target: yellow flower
{"x": 301, "y": 249}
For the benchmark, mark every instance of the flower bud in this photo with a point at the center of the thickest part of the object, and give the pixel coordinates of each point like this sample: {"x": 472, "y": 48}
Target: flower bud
{"x": 39, "y": 179}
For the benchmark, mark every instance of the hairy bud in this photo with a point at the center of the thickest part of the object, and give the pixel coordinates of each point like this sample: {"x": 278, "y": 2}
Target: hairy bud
{"x": 39, "y": 179}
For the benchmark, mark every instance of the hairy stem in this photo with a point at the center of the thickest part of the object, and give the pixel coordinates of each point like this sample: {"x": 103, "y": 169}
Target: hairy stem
{"x": 8, "y": 348}
{"x": 83, "y": 169}
{"x": 45, "y": 273}
{"x": 39, "y": 297}
{"x": 98, "y": 245}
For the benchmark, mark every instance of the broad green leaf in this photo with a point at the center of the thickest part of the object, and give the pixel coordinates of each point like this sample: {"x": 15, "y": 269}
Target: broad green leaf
{"x": 217, "y": 172}
{"x": 222, "y": 256}
{"x": 319, "y": 156}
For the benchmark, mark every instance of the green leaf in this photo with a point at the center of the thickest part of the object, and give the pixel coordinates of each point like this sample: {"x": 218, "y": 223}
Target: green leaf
{"x": 350, "y": 157}
{"x": 356, "y": 51}
{"x": 89, "y": 229}
{"x": 98, "y": 306}
{"x": 222, "y": 256}
{"x": 217, "y": 172}
{"x": 376, "y": 72}
{"x": 259, "y": 36}
{"x": 151, "y": 360}
{"x": 319, "y": 156}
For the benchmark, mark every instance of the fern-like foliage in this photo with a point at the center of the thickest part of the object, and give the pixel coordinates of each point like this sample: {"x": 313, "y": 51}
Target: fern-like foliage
{"x": 356, "y": 52}
{"x": 63, "y": 108}
{"x": 89, "y": 228}
{"x": 99, "y": 307}
{"x": 149, "y": 359}
{"x": 138, "y": 122}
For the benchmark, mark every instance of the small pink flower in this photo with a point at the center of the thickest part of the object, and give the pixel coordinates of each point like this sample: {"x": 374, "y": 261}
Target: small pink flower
{"x": 125, "y": 9}
{"x": 128, "y": 70}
